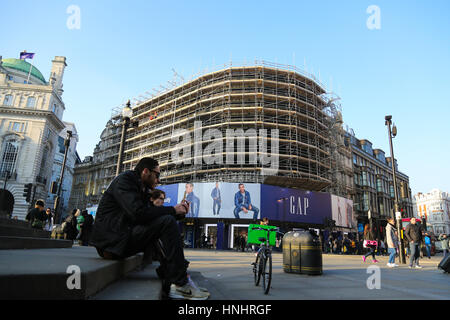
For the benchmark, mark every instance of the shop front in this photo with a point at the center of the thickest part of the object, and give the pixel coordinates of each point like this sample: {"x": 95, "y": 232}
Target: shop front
{"x": 220, "y": 213}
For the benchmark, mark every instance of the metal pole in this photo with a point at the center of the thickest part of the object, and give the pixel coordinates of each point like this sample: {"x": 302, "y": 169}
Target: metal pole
{"x": 57, "y": 200}
{"x": 398, "y": 218}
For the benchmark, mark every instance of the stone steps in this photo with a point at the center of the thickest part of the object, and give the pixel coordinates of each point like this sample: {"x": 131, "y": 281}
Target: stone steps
{"x": 45, "y": 273}
{"x": 13, "y": 242}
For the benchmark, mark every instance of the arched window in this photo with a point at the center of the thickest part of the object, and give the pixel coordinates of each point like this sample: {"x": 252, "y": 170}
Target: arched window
{"x": 10, "y": 150}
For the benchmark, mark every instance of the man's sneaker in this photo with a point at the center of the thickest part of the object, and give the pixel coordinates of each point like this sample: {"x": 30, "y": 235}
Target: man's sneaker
{"x": 394, "y": 265}
{"x": 390, "y": 265}
{"x": 192, "y": 283}
{"x": 375, "y": 261}
{"x": 418, "y": 267}
{"x": 187, "y": 292}
{"x": 410, "y": 267}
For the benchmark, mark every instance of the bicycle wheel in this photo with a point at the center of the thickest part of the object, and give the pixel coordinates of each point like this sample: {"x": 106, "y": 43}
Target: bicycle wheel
{"x": 257, "y": 269}
{"x": 267, "y": 272}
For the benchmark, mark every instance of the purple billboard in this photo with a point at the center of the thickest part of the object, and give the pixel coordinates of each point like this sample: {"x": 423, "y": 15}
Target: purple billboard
{"x": 284, "y": 204}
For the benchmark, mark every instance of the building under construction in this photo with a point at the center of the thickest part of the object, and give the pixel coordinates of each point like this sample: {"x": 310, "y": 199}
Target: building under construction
{"x": 277, "y": 98}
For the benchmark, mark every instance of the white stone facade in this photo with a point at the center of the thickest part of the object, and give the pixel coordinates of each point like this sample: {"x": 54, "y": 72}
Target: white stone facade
{"x": 435, "y": 207}
{"x": 69, "y": 167}
{"x": 30, "y": 122}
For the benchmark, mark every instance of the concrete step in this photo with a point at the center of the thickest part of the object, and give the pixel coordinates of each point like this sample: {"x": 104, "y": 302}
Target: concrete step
{"x": 12, "y": 242}
{"x": 49, "y": 273}
{"x": 14, "y": 231}
{"x": 142, "y": 284}
{"x": 19, "y": 228}
{"x": 14, "y": 222}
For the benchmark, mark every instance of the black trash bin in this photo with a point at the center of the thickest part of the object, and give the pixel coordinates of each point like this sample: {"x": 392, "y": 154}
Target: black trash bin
{"x": 302, "y": 253}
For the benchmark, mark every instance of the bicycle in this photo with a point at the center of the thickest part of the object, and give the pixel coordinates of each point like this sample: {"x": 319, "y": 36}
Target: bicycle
{"x": 263, "y": 263}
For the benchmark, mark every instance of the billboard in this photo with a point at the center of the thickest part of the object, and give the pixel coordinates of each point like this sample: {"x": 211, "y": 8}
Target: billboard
{"x": 255, "y": 201}
{"x": 285, "y": 204}
{"x": 171, "y": 191}
{"x": 221, "y": 200}
{"x": 342, "y": 212}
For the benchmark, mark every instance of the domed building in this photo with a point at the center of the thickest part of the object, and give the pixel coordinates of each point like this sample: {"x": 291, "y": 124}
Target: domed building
{"x": 31, "y": 111}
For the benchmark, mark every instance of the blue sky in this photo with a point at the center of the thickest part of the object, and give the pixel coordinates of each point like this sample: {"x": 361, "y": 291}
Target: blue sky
{"x": 123, "y": 49}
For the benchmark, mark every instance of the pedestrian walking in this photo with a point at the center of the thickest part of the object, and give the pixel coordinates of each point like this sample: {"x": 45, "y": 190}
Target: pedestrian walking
{"x": 413, "y": 234}
{"x": 36, "y": 216}
{"x": 444, "y": 244}
{"x": 392, "y": 242}
{"x": 370, "y": 243}
{"x": 48, "y": 225}
{"x": 70, "y": 225}
{"x": 427, "y": 241}
{"x": 127, "y": 223}
{"x": 86, "y": 228}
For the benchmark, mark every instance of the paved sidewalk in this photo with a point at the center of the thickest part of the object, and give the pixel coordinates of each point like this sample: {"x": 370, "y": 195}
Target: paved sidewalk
{"x": 228, "y": 276}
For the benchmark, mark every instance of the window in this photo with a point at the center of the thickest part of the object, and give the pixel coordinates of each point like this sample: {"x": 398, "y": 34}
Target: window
{"x": 8, "y": 100}
{"x": 9, "y": 155}
{"x": 61, "y": 145}
{"x": 54, "y": 108}
{"x": 44, "y": 162}
{"x": 31, "y": 102}
{"x": 16, "y": 126}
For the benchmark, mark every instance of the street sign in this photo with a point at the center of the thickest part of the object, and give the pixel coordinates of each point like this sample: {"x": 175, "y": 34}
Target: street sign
{"x": 398, "y": 215}
{"x": 360, "y": 227}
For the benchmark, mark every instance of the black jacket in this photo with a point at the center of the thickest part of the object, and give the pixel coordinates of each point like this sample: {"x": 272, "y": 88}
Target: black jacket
{"x": 124, "y": 205}
{"x": 35, "y": 213}
{"x": 413, "y": 232}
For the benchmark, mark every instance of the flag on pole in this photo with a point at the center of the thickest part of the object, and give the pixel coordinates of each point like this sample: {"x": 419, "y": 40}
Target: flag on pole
{"x": 26, "y": 55}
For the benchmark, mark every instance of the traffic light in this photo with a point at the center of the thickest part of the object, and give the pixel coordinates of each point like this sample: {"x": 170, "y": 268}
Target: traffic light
{"x": 54, "y": 187}
{"x": 27, "y": 191}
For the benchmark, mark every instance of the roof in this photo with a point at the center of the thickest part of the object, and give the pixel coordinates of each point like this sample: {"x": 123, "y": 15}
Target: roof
{"x": 23, "y": 66}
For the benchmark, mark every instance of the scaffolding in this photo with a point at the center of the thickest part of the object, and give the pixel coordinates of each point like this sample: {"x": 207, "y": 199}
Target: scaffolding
{"x": 341, "y": 168}
{"x": 261, "y": 96}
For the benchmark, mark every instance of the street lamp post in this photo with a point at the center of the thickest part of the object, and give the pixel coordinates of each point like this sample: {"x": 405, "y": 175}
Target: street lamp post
{"x": 398, "y": 215}
{"x": 126, "y": 116}
{"x": 58, "y": 200}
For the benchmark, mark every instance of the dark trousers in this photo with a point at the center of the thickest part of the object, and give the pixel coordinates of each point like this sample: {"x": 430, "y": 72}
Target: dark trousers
{"x": 415, "y": 253}
{"x": 371, "y": 252}
{"x": 166, "y": 229}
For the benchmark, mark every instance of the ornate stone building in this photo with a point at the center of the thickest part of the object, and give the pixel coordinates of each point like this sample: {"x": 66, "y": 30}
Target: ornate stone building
{"x": 31, "y": 111}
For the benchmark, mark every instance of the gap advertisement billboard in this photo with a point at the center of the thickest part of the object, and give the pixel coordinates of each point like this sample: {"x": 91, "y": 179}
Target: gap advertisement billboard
{"x": 216, "y": 199}
{"x": 294, "y": 205}
{"x": 255, "y": 201}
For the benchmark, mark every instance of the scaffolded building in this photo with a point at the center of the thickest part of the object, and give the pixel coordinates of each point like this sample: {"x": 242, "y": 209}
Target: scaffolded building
{"x": 278, "y": 98}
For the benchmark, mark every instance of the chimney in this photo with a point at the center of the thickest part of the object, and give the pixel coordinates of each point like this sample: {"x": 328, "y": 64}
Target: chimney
{"x": 57, "y": 72}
